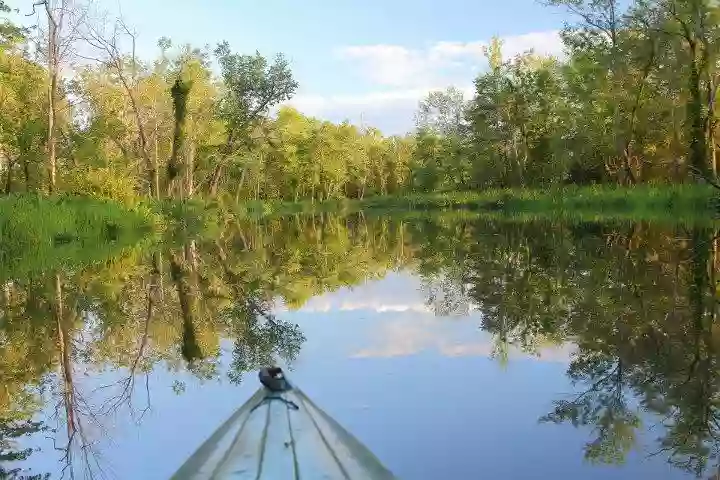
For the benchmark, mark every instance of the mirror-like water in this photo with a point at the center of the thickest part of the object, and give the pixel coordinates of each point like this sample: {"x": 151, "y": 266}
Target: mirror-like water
{"x": 451, "y": 346}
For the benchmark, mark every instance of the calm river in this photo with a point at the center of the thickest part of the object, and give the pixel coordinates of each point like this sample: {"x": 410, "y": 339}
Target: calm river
{"x": 451, "y": 346}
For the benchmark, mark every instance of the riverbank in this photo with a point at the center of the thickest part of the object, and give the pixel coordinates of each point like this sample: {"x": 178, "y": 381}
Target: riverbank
{"x": 43, "y": 233}
{"x": 643, "y": 202}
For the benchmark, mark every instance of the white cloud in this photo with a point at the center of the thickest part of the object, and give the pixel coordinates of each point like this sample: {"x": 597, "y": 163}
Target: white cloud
{"x": 542, "y": 43}
{"x": 400, "y": 77}
{"x": 398, "y": 66}
{"x": 326, "y": 306}
{"x": 396, "y": 292}
{"x": 392, "y": 111}
{"x": 392, "y": 65}
{"x": 319, "y": 103}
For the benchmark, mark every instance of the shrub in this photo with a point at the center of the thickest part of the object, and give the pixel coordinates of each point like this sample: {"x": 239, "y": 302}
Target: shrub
{"x": 103, "y": 182}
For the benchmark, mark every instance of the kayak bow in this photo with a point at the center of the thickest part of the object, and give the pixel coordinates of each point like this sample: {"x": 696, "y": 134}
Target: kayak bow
{"x": 279, "y": 433}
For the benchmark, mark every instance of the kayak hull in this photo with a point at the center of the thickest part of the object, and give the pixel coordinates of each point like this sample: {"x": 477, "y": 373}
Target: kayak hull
{"x": 282, "y": 435}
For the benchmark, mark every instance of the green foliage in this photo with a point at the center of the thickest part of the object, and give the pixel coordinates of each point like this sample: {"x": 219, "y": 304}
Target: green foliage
{"x": 261, "y": 340}
{"x": 632, "y": 102}
{"x": 23, "y": 88}
{"x": 636, "y": 301}
{"x": 442, "y": 113}
{"x": 294, "y": 157}
{"x": 252, "y": 86}
{"x": 41, "y": 234}
{"x": 513, "y": 124}
{"x": 107, "y": 183}
{"x": 619, "y": 128}
{"x": 10, "y": 34}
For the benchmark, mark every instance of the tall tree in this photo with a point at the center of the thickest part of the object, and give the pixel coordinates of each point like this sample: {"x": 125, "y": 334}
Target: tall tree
{"x": 128, "y": 69}
{"x": 442, "y": 112}
{"x": 64, "y": 20}
{"x": 251, "y": 87}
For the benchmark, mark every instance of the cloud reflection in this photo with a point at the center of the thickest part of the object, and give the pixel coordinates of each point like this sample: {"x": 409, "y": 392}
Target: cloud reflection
{"x": 400, "y": 336}
{"x": 390, "y": 319}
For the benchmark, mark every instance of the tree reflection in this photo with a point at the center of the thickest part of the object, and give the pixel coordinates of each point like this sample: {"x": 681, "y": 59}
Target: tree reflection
{"x": 605, "y": 406}
{"x": 637, "y": 300}
{"x": 59, "y": 329}
{"x": 260, "y": 339}
{"x": 639, "y": 303}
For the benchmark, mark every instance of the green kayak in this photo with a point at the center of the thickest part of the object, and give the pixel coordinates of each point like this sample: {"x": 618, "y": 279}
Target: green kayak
{"x": 279, "y": 433}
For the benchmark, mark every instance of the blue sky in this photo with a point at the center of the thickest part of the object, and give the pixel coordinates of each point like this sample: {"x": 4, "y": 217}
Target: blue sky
{"x": 374, "y": 59}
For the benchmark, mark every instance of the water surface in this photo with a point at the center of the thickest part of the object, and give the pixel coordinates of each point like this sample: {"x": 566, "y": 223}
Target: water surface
{"x": 452, "y": 346}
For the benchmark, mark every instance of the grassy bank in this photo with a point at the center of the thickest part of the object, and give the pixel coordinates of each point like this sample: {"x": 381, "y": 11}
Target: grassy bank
{"x": 640, "y": 202}
{"x": 40, "y": 234}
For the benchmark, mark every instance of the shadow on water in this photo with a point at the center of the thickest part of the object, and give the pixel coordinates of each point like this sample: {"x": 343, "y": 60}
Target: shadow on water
{"x": 637, "y": 301}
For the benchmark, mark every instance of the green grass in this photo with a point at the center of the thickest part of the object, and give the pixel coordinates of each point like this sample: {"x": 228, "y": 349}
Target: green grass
{"x": 42, "y": 234}
{"x": 646, "y": 202}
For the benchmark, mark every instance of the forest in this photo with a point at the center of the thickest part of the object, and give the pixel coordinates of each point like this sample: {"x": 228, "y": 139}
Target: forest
{"x": 632, "y": 101}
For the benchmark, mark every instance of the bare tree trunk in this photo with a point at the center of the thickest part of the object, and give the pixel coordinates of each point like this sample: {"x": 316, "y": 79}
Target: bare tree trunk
{"x": 240, "y": 184}
{"x": 190, "y": 171}
{"x": 154, "y": 297}
{"x": 116, "y": 57}
{"x": 53, "y": 74}
{"x": 698, "y": 140}
{"x": 155, "y": 175}
{"x": 675, "y": 143}
{"x": 710, "y": 125}
{"x": 158, "y": 267}
{"x": 7, "y": 294}
{"x": 156, "y": 156}
{"x": 26, "y": 171}
{"x": 191, "y": 256}
{"x": 8, "y": 181}
{"x": 714, "y": 259}
{"x": 215, "y": 182}
{"x": 627, "y": 157}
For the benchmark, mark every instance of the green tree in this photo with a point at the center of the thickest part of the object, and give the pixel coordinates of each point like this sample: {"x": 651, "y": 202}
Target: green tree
{"x": 251, "y": 87}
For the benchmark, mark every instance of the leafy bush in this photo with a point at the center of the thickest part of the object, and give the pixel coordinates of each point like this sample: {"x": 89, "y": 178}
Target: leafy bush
{"x": 103, "y": 182}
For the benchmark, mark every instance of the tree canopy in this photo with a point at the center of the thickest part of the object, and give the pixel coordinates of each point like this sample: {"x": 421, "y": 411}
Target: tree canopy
{"x": 631, "y": 101}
